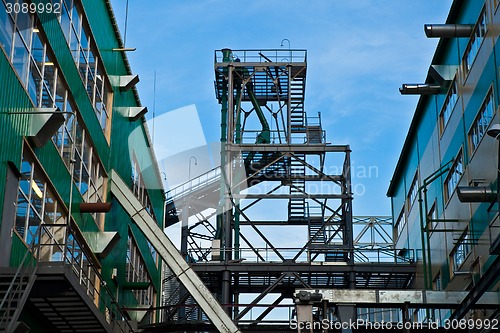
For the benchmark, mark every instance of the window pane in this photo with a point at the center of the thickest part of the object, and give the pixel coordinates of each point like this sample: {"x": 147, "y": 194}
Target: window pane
{"x": 35, "y": 79}
{"x": 6, "y": 30}
{"x": 21, "y": 213}
{"x": 21, "y": 58}
{"x": 24, "y": 23}
{"x": 65, "y": 21}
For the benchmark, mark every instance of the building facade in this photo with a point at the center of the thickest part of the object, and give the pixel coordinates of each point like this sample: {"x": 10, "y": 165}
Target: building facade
{"x": 443, "y": 189}
{"x": 71, "y": 124}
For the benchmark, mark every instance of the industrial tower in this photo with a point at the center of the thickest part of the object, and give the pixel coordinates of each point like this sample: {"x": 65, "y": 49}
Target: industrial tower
{"x": 277, "y": 216}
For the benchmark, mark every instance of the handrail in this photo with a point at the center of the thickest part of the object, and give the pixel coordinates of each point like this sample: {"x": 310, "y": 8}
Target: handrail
{"x": 104, "y": 294}
{"x": 208, "y": 178}
{"x": 273, "y": 55}
{"x": 379, "y": 255}
{"x": 10, "y": 293}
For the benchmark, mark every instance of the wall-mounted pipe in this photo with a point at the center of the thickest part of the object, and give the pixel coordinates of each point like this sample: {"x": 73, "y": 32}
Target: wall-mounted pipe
{"x": 475, "y": 194}
{"x": 95, "y": 207}
{"x": 420, "y": 89}
{"x": 448, "y": 30}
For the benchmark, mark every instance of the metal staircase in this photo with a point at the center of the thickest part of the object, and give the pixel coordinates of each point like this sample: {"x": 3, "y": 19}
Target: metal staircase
{"x": 204, "y": 187}
{"x": 317, "y": 232}
{"x": 15, "y": 287}
{"x": 297, "y": 95}
{"x": 297, "y": 201}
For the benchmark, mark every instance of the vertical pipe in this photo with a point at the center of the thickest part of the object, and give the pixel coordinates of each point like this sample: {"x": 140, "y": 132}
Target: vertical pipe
{"x": 427, "y": 181}
{"x": 226, "y": 57}
{"x": 429, "y": 260}
{"x": 226, "y": 297}
{"x": 422, "y": 238}
{"x": 288, "y": 108}
{"x": 228, "y": 165}
{"x": 236, "y": 226}
{"x": 224, "y": 217}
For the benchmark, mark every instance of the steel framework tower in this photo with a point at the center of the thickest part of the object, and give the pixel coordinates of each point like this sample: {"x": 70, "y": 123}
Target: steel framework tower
{"x": 277, "y": 215}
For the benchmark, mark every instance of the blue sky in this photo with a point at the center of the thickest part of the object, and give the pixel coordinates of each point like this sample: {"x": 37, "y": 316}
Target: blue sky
{"x": 359, "y": 54}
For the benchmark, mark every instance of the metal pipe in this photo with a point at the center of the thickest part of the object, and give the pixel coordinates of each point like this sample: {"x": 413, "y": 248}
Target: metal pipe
{"x": 475, "y": 194}
{"x": 423, "y": 224}
{"x": 265, "y": 135}
{"x": 95, "y": 207}
{"x": 420, "y": 89}
{"x": 448, "y": 30}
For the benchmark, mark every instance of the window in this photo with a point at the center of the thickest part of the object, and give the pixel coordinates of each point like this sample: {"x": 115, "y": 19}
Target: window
{"x": 37, "y": 70}
{"x": 153, "y": 252}
{"x": 483, "y": 119}
{"x": 454, "y": 176}
{"x": 6, "y": 30}
{"x": 84, "y": 52}
{"x": 139, "y": 187}
{"x": 37, "y": 203}
{"x": 461, "y": 251}
{"x": 64, "y": 139}
{"x": 436, "y": 283}
{"x": 475, "y": 42}
{"x": 137, "y": 272}
{"x": 412, "y": 193}
{"x": 432, "y": 217}
{"x": 449, "y": 105}
{"x": 30, "y": 57}
{"x": 42, "y": 220}
{"x": 400, "y": 223}
{"x": 88, "y": 173}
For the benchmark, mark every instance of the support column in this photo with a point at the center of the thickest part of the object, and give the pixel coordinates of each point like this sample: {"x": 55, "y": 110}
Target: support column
{"x": 304, "y": 318}
{"x": 226, "y": 291}
{"x": 185, "y": 231}
{"x": 347, "y": 213}
{"x": 347, "y": 314}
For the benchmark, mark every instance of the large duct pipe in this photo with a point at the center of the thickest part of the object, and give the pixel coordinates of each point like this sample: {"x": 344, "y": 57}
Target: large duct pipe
{"x": 448, "y": 30}
{"x": 475, "y": 194}
{"x": 420, "y": 89}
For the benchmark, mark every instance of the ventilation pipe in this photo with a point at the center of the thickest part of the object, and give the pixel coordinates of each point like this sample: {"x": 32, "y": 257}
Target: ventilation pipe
{"x": 420, "y": 89}
{"x": 448, "y": 30}
{"x": 475, "y": 194}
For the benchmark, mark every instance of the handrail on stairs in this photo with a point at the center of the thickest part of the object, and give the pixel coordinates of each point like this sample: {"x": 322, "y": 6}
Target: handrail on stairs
{"x": 29, "y": 264}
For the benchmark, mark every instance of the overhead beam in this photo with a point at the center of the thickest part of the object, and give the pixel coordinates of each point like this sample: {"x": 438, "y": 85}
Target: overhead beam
{"x": 292, "y": 148}
{"x": 397, "y": 298}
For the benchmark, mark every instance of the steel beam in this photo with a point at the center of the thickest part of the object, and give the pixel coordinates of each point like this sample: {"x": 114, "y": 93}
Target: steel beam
{"x": 397, "y": 298}
{"x": 304, "y": 267}
{"x": 291, "y": 148}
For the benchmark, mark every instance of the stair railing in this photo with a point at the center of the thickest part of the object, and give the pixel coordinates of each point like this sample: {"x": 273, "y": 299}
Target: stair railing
{"x": 14, "y": 292}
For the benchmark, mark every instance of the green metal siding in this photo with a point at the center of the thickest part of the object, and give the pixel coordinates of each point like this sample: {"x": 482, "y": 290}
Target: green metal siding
{"x": 64, "y": 59}
{"x": 116, "y": 155}
{"x": 13, "y": 98}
